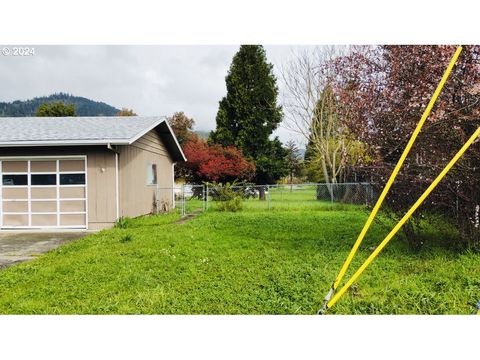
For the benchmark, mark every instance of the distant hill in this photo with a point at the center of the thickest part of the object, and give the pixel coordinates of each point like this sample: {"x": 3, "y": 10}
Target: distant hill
{"x": 202, "y": 134}
{"x": 83, "y": 106}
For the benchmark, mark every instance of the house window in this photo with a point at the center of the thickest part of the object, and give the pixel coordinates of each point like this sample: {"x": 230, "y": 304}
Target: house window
{"x": 152, "y": 174}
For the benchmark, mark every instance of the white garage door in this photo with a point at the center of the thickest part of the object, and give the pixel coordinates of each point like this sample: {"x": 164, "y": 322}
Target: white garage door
{"x": 46, "y": 192}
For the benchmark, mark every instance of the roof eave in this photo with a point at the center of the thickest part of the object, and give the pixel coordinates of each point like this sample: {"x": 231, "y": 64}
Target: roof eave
{"x": 65, "y": 142}
{"x": 162, "y": 121}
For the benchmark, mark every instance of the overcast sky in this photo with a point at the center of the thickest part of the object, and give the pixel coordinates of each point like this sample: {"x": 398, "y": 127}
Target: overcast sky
{"x": 151, "y": 80}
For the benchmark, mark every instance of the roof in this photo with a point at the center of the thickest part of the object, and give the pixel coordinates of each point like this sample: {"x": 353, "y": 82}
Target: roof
{"x": 98, "y": 130}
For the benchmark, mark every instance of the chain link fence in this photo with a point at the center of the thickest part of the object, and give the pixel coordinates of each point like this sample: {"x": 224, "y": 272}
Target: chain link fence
{"x": 190, "y": 199}
{"x": 187, "y": 199}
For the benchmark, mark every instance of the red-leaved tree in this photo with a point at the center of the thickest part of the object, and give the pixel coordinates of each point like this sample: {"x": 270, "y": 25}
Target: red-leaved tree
{"x": 383, "y": 91}
{"x": 215, "y": 163}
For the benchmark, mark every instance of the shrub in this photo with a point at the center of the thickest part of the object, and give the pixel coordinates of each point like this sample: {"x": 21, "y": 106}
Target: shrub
{"x": 122, "y": 222}
{"x": 232, "y": 205}
{"x": 228, "y": 196}
{"x": 220, "y": 192}
{"x": 126, "y": 238}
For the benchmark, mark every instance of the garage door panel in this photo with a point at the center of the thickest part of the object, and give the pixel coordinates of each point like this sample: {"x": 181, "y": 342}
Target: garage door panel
{"x": 43, "y": 166}
{"x": 15, "y": 206}
{"x": 15, "y": 193}
{"x": 72, "y": 206}
{"x": 72, "y": 165}
{"x": 44, "y": 192}
{"x": 44, "y": 220}
{"x": 14, "y": 166}
{"x": 72, "y": 192}
{"x": 72, "y": 219}
{"x": 44, "y": 206}
{"x": 15, "y": 220}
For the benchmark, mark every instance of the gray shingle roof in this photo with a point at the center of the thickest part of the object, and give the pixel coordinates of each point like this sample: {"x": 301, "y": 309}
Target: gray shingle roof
{"x": 51, "y": 129}
{"x": 99, "y": 130}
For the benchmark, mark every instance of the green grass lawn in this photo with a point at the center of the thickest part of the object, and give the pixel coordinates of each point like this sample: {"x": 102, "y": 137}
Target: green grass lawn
{"x": 250, "y": 262}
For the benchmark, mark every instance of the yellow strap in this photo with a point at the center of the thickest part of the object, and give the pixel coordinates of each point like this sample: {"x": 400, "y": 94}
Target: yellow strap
{"x": 397, "y": 169}
{"x": 410, "y": 212}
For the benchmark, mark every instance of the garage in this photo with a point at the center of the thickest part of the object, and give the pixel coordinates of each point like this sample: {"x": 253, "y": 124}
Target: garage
{"x": 43, "y": 192}
{"x": 84, "y": 172}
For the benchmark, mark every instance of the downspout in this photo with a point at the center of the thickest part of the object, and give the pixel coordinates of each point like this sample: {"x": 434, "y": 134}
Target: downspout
{"x": 173, "y": 185}
{"x": 117, "y": 192}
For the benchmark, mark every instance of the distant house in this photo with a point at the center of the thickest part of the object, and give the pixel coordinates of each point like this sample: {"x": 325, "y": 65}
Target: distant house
{"x": 84, "y": 172}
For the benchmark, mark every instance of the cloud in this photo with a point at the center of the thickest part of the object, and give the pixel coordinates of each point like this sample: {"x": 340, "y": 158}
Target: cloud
{"x": 151, "y": 80}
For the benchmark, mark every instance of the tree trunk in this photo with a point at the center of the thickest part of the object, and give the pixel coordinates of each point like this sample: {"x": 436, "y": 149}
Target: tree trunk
{"x": 327, "y": 178}
{"x": 261, "y": 193}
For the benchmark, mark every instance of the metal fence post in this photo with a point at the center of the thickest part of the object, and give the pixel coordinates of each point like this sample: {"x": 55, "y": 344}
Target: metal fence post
{"x": 203, "y": 197}
{"x": 183, "y": 200}
{"x": 206, "y": 199}
{"x": 268, "y": 196}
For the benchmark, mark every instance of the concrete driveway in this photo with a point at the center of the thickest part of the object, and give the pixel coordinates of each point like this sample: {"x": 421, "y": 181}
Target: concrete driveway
{"x": 17, "y": 247}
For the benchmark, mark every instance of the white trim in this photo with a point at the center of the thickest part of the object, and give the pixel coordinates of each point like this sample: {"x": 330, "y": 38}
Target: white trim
{"x": 29, "y": 192}
{"x": 176, "y": 141}
{"x": 45, "y": 200}
{"x": 7, "y": 227}
{"x": 44, "y": 213}
{"x": 1, "y": 195}
{"x": 46, "y": 157}
{"x": 146, "y": 130}
{"x": 117, "y": 193}
{"x": 65, "y": 142}
{"x": 86, "y": 192}
{"x": 45, "y": 186}
{"x": 45, "y": 173}
{"x": 173, "y": 185}
{"x": 57, "y": 165}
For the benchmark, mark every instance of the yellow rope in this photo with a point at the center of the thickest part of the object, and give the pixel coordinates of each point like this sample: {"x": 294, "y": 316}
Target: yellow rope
{"x": 390, "y": 181}
{"x": 405, "y": 218}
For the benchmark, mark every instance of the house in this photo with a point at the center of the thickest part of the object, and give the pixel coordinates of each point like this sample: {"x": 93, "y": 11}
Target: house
{"x": 84, "y": 172}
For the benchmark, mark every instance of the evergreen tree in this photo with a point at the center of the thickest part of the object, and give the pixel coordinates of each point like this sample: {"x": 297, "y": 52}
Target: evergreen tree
{"x": 249, "y": 113}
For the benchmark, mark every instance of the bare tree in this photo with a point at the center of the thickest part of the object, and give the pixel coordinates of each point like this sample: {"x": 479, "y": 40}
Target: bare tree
{"x": 310, "y": 107}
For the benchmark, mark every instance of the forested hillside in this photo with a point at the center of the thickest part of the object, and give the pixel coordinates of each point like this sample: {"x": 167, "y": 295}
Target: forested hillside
{"x": 83, "y": 106}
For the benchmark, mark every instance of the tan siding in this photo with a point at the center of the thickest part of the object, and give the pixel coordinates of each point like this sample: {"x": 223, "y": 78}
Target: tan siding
{"x": 138, "y": 198}
{"x": 101, "y": 187}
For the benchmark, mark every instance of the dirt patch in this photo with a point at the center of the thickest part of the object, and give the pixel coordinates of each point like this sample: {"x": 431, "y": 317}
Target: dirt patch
{"x": 187, "y": 217}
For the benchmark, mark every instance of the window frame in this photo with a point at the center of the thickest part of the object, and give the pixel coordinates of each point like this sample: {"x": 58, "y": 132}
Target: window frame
{"x": 152, "y": 174}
